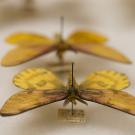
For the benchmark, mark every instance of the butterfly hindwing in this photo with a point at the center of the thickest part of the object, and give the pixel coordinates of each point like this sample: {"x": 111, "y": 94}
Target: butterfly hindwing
{"x": 27, "y": 100}
{"x": 116, "y": 99}
{"x": 38, "y": 79}
{"x": 28, "y": 39}
{"x": 21, "y": 55}
{"x": 105, "y": 80}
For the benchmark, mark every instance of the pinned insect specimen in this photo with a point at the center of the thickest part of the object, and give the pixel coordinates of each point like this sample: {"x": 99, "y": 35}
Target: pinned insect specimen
{"x": 30, "y": 46}
{"x": 42, "y": 87}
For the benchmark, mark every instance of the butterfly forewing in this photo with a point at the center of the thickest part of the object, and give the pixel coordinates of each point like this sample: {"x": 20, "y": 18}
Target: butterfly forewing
{"x": 116, "y": 99}
{"x": 85, "y": 37}
{"x": 27, "y": 100}
{"x": 99, "y": 50}
{"x": 28, "y": 39}
{"x": 21, "y": 55}
{"x": 106, "y": 80}
{"x": 38, "y": 79}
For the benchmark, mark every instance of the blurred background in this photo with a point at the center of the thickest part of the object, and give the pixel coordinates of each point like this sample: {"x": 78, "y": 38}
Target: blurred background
{"x": 113, "y": 18}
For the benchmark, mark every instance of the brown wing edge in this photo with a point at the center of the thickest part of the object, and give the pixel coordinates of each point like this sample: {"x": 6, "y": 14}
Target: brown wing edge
{"x": 109, "y": 105}
{"x": 14, "y": 114}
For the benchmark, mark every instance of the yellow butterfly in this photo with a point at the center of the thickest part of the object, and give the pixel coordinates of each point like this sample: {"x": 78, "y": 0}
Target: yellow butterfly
{"x": 42, "y": 87}
{"x": 30, "y": 46}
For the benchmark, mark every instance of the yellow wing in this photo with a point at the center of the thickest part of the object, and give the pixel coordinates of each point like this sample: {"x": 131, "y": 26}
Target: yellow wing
{"x": 85, "y": 37}
{"x": 116, "y": 99}
{"x": 37, "y": 79}
{"x": 101, "y": 51}
{"x": 21, "y": 55}
{"x": 28, "y": 39}
{"x": 27, "y": 100}
{"x": 105, "y": 80}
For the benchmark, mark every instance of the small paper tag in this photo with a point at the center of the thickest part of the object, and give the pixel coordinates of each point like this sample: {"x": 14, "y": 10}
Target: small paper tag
{"x": 77, "y": 116}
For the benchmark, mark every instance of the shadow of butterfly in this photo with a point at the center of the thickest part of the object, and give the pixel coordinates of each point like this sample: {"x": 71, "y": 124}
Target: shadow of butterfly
{"x": 42, "y": 87}
{"x": 30, "y": 46}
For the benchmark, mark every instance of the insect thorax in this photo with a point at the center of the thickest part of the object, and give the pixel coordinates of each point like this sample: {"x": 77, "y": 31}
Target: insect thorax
{"x": 72, "y": 86}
